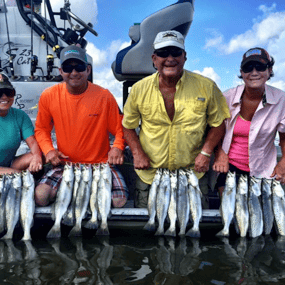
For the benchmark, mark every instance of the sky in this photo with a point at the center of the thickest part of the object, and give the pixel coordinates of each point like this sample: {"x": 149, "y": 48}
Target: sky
{"x": 221, "y": 32}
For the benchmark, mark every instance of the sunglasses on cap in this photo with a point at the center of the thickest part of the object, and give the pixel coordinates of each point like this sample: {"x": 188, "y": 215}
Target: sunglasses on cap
{"x": 175, "y": 52}
{"x": 9, "y": 93}
{"x": 251, "y": 65}
{"x": 67, "y": 68}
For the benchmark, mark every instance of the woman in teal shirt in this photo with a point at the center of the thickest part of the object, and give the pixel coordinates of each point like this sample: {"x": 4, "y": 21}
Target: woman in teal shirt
{"x": 15, "y": 126}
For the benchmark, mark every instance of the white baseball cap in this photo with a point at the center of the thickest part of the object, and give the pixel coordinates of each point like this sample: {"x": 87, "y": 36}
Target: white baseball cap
{"x": 168, "y": 38}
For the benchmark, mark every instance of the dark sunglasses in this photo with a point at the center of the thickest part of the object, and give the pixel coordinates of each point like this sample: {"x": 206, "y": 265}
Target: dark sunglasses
{"x": 250, "y": 66}
{"x": 8, "y": 93}
{"x": 69, "y": 68}
{"x": 166, "y": 52}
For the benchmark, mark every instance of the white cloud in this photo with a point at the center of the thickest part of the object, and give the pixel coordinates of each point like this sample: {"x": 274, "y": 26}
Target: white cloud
{"x": 268, "y": 29}
{"x": 210, "y": 73}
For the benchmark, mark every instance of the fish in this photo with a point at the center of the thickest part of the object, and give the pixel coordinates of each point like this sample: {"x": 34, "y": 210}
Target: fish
{"x": 267, "y": 210}
{"x": 183, "y": 203}
{"x": 278, "y": 201}
{"x": 93, "y": 222}
{"x": 195, "y": 200}
{"x": 69, "y": 218}
{"x": 27, "y": 208}
{"x": 227, "y": 208}
{"x": 254, "y": 208}
{"x": 12, "y": 206}
{"x": 63, "y": 198}
{"x": 162, "y": 201}
{"x": 241, "y": 213}
{"x": 104, "y": 198}
{"x": 151, "y": 205}
{"x": 172, "y": 209}
{"x": 150, "y": 225}
{"x": 82, "y": 199}
{"x": 4, "y": 188}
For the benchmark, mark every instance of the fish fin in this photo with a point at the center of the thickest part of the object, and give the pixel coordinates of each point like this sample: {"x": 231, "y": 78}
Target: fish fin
{"x": 193, "y": 233}
{"x": 54, "y": 232}
{"x": 91, "y": 225}
{"x": 149, "y": 227}
{"x": 103, "y": 232}
{"x": 75, "y": 231}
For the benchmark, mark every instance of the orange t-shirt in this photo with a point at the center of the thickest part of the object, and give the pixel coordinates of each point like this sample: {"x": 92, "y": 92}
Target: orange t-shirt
{"x": 82, "y": 123}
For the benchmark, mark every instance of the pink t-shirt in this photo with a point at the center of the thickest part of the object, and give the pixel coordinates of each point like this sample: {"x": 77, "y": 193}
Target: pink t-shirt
{"x": 238, "y": 153}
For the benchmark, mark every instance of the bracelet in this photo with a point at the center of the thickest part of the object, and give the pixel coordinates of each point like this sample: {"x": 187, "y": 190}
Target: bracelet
{"x": 205, "y": 153}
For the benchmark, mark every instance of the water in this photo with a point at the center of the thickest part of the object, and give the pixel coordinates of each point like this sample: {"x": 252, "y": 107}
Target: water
{"x": 132, "y": 256}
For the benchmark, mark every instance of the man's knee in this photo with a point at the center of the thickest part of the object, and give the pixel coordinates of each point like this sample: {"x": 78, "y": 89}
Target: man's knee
{"x": 44, "y": 194}
{"x": 141, "y": 194}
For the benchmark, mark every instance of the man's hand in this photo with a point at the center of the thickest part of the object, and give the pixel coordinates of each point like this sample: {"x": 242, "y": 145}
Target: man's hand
{"x": 221, "y": 163}
{"x": 115, "y": 156}
{"x": 141, "y": 160}
{"x": 55, "y": 157}
{"x": 36, "y": 163}
{"x": 279, "y": 171}
{"x": 202, "y": 163}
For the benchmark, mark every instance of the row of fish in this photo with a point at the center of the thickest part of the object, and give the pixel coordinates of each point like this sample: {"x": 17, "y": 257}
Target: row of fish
{"x": 176, "y": 194}
{"x": 83, "y": 187}
{"x": 17, "y": 203}
{"x": 254, "y": 205}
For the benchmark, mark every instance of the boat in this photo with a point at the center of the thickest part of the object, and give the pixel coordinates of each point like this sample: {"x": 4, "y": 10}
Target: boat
{"x": 30, "y": 43}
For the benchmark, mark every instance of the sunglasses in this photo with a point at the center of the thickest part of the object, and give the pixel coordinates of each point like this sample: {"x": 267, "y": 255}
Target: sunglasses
{"x": 69, "y": 68}
{"x": 250, "y": 66}
{"x": 166, "y": 52}
{"x": 8, "y": 93}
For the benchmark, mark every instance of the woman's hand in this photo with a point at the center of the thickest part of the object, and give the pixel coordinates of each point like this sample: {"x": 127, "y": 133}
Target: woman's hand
{"x": 36, "y": 163}
{"x": 279, "y": 171}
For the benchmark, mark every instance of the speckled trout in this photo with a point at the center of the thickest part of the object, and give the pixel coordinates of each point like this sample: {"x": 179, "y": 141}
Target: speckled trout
{"x": 27, "y": 209}
{"x": 254, "y": 208}
{"x": 278, "y": 200}
{"x": 63, "y": 199}
{"x": 267, "y": 210}
{"x": 227, "y": 208}
{"x": 241, "y": 213}
{"x": 151, "y": 205}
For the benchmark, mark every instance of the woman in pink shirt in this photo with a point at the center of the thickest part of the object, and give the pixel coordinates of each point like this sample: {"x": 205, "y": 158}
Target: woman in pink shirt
{"x": 257, "y": 114}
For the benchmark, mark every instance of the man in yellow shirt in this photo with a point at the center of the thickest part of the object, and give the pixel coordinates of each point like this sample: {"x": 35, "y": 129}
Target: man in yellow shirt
{"x": 174, "y": 107}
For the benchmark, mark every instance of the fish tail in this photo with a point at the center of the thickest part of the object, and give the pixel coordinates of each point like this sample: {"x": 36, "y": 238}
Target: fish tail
{"x": 54, "y": 232}
{"x": 75, "y": 231}
{"x": 194, "y": 233}
{"x": 159, "y": 232}
{"x": 223, "y": 233}
{"x": 92, "y": 225}
{"x": 103, "y": 231}
{"x": 68, "y": 220}
{"x": 27, "y": 236}
{"x": 149, "y": 227}
{"x": 170, "y": 232}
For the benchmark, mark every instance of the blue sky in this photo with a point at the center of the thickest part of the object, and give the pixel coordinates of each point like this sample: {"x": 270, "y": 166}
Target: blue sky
{"x": 220, "y": 33}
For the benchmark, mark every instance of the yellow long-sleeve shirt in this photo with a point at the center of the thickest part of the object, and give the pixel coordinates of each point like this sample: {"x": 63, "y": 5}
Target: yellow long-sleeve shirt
{"x": 174, "y": 144}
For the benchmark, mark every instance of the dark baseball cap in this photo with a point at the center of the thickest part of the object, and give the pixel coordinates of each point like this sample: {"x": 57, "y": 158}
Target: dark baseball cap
{"x": 73, "y": 52}
{"x": 5, "y": 83}
{"x": 256, "y": 54}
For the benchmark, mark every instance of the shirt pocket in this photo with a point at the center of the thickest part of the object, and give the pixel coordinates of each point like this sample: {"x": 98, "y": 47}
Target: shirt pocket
{"x": 193, "y": 111}
{"x": 151, "y": 113}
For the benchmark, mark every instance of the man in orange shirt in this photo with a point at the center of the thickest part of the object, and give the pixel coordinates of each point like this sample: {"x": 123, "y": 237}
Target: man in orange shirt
{"x": 83, "y": 114}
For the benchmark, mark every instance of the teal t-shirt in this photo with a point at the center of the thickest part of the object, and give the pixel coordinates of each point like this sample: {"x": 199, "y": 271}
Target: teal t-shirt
{"x": 14, "y": 128}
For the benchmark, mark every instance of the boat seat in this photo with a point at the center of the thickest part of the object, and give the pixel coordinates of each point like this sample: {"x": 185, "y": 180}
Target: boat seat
{"x": 134, "y": 62}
